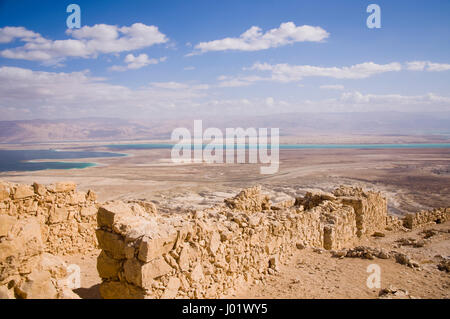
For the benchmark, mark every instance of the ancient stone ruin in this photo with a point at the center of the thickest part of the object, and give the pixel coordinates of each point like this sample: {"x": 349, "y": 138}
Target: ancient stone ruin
{"x": 37, "y": 222}
{"x": 208, "y": 254}
{"x": 202, "y": 254}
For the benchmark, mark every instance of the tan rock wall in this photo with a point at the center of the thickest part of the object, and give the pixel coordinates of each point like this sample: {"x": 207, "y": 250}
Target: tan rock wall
{"x": 67, "y": 218}
{"x": 210, "y": 253}
{"x": 438, "y": 215}
{"x": 370, "y": 208}
{"x": 26, "y": 271}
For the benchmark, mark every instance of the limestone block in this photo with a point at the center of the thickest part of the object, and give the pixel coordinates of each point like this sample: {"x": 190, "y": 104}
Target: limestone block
{"x": 152, "y": 248}
{"x": 112, "y": 243}
{"x": 39, "y": 189}
{"x": 172, "y": 288}
{"x": 121, "y": 290}
{"x": 6, "y": 293}
{"x": 143, "y": 275}
{"x": 23, "y": 191}
{"x": 197, "y": 273}
{"x": 110, "y": 213}
{"x": 108, "y": 267}
{"x": 63, "y": 187}
{"x": 6, "y": 223}
{"x": 88, "y": 211}
{"x": 37, "y": 286}
{"x": 4, "y": 192}
{"x": 58, "y": 215}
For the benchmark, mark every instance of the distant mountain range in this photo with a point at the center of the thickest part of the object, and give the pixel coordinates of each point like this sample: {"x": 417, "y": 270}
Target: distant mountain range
{"x": 292, "y": 124}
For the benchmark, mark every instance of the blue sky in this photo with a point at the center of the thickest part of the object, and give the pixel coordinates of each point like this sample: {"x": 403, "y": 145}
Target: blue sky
{"x": 338, "y": 65}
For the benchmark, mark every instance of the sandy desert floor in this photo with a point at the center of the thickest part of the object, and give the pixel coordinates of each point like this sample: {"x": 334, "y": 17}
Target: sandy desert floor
{"x": 412, "y": 179}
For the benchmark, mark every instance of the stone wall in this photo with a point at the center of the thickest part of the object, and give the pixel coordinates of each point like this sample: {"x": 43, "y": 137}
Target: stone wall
{"x": 370, "y": 208}
{"x": 208, "y": 254}
{"x": 438, "y": 215}
{"x": 26, "y": 271}
{"x": 67, "y": 218}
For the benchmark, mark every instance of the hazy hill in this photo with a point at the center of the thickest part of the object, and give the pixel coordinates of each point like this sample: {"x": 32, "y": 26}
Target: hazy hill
{"x": 292, "y": 124}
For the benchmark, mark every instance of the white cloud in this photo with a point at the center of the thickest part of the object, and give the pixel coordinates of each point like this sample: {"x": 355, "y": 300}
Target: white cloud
{"x": 136, "y": 62}
{"x": 189, "y": 68}
{"x": 254, "y": 39}
{"x": 56, "y": 95}
{"x": 87, "y": 42}
{"x": 395, "y": 100}
{"x": 293, "y": 73}
{"x": 332, "y": 87}
{"x": 289, "y": 73}
{"x": 35, "y": 94}
{"x": 427, "y": 66}
{"x": 9, "y": 34}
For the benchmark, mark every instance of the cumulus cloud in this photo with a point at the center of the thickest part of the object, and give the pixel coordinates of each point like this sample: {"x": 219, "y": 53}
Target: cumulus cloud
{"x": 9, "y": 34}
{"x": 86, "y": 42}
{"x": 136, "y": 62}
{"x": 254, "y": 39}
{"x": 427, "y": 66}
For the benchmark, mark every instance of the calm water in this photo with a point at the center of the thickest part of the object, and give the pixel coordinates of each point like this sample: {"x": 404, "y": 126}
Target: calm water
{"x": 292, "y": 146}
{"x": 21, "y": 160}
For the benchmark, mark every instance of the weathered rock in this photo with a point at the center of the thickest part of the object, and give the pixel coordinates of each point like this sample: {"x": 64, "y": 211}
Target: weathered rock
{"x": 112, "y": 243}
{"x": 23, "y": 191}
{"x": 108, "y": 267}
{"x": 110, "y": 213}
{"x": 6, "y": 293}
{"x": 58, "y": 215}
{"x": 143, "y": 275}
{"x": 172, "y": 288}
{"x": 404, "y": 259}
{"x": 63, "y": 187}
{"x": 150, "y": 249}
{"x": 197, "y": 273}
{"x": 444, "y": 265}
{"x": 249, "y": 200}
{"x": 393, "y": 293}
{"x": 121, "y": 290}
{"x": 39, "y": 189}
{"x": 6, "y": 223}
{"x": 4, "y": 192}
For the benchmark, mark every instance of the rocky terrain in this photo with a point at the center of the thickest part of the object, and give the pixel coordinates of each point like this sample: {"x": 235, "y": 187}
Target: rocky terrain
{"x": 251, "y": 245}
